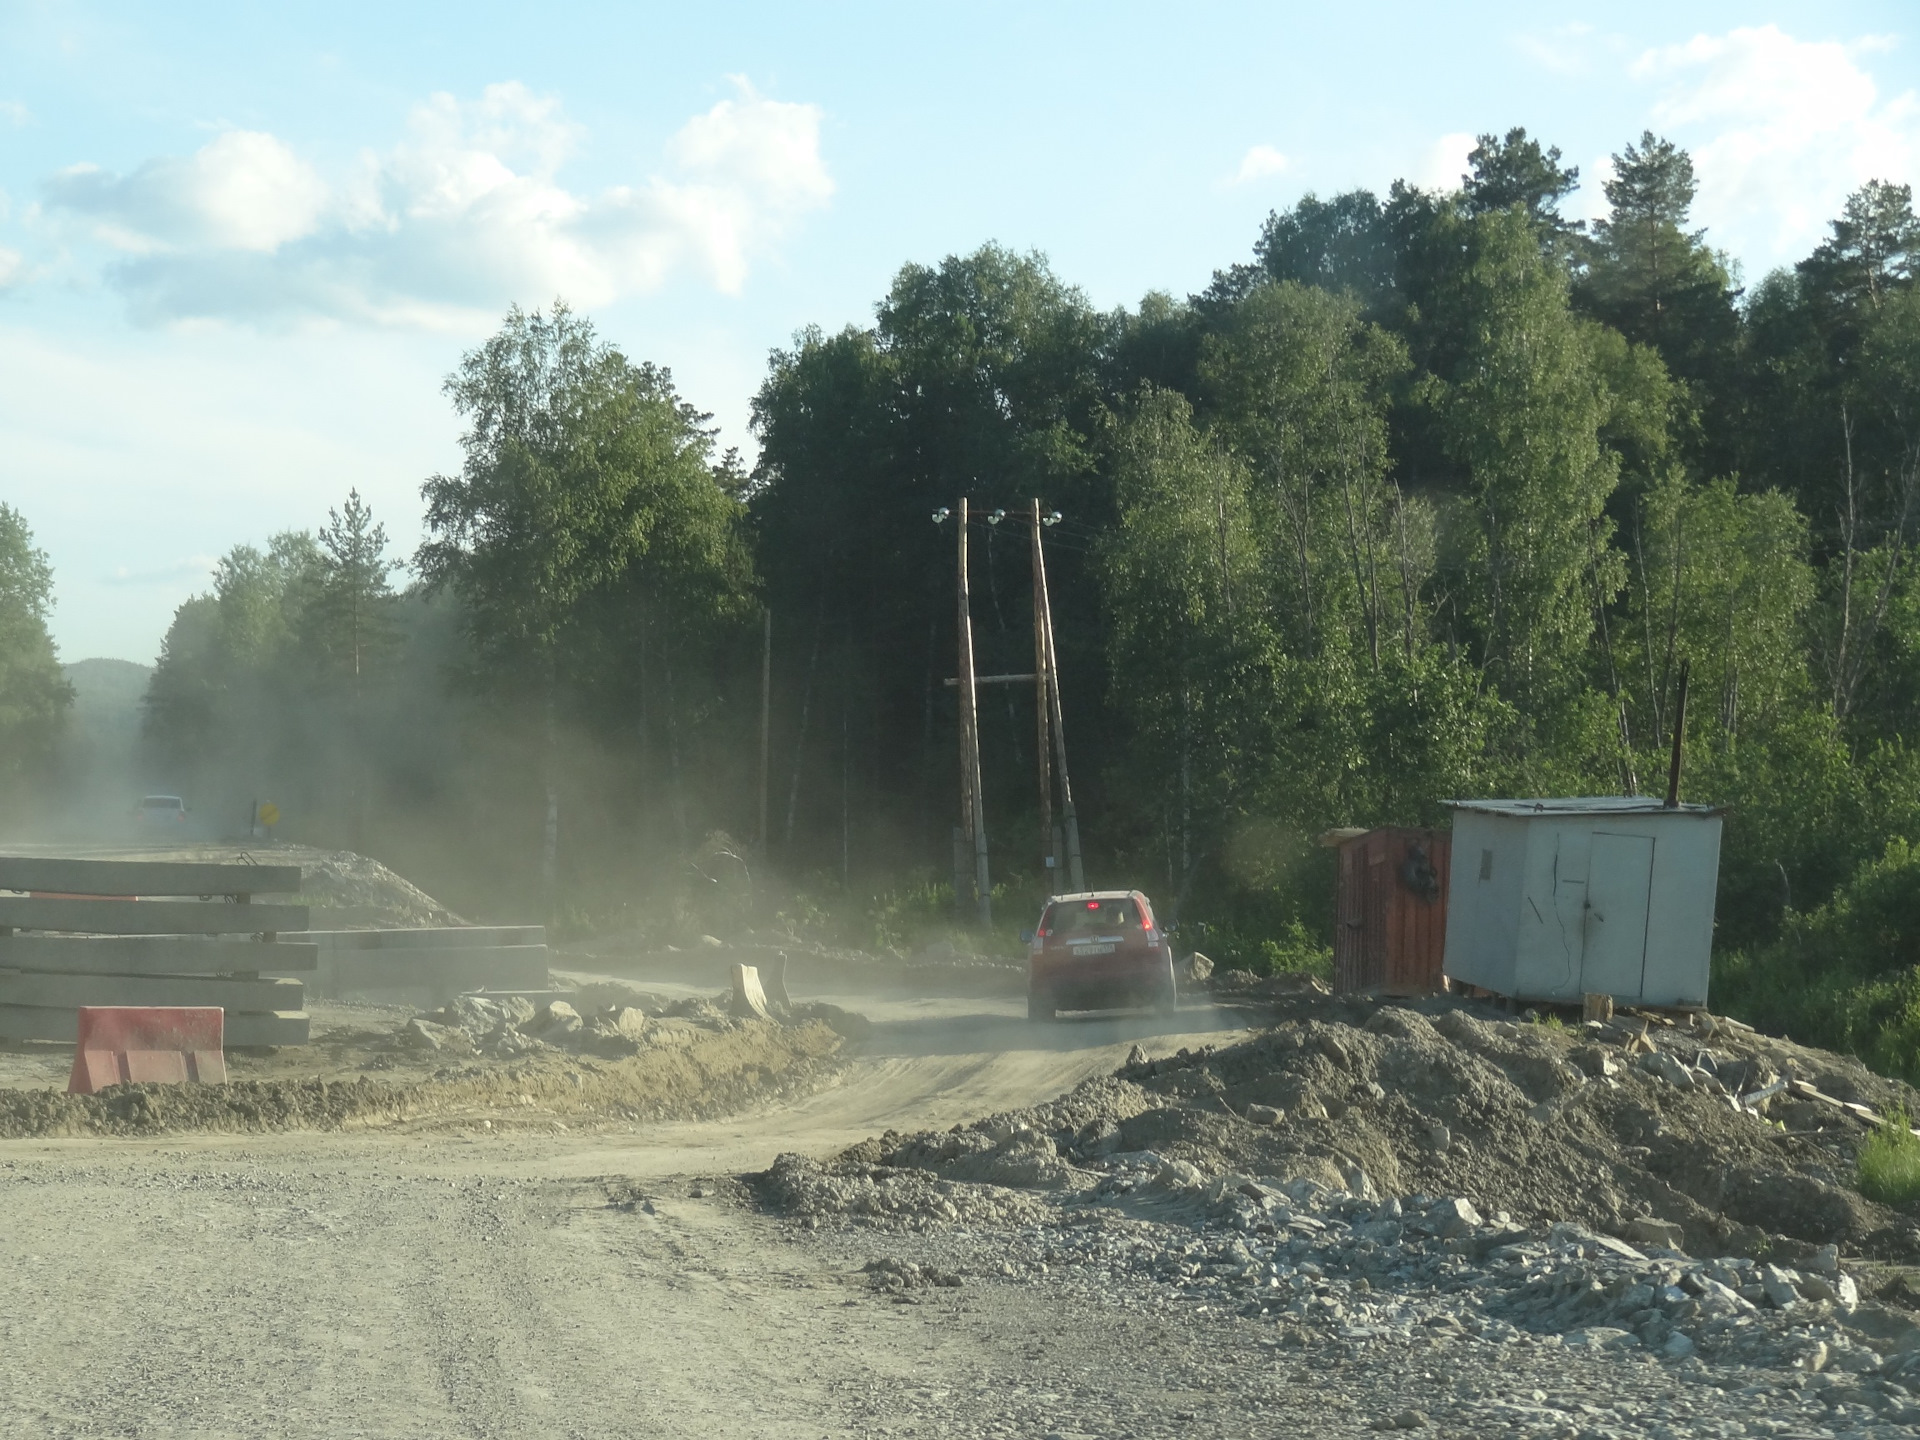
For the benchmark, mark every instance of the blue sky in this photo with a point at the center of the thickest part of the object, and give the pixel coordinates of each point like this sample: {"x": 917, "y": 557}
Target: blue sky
{"x": 241, "y": 245}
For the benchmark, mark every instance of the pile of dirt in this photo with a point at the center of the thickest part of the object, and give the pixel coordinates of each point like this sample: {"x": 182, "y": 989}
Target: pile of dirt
{"x": 368, "y": 892}
{"x": 1612, "y": 1126}
{"x": 705, "y": 1072}
{"x": 1372, "y": 1173}
{"x": 610, "y": 1021}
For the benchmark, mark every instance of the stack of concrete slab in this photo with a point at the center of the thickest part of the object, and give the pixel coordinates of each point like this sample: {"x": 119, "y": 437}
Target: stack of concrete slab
{"x": 146, "y": 932}
{"x": 428, "y": 965}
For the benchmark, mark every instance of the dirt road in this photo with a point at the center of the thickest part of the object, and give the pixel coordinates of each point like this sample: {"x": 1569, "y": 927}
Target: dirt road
{"x": 454, "y": 1281}
{"x": 382, "y": 1284}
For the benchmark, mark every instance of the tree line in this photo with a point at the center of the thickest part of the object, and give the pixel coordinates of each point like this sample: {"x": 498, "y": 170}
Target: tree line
{"x": 1431, "y": 496}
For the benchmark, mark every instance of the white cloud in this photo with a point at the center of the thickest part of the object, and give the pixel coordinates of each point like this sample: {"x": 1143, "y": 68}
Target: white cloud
{"x": 464, "y": 214}
{"x": 1565, "y": 49}
{"x": 243, "y": 191}
{"x": 14, "y": 113}
{"x": 1260, "y": 163}
{"x": 13, "y": 267}
{"x": 1445, "y": 162}
{"x": 1780, "y": 130}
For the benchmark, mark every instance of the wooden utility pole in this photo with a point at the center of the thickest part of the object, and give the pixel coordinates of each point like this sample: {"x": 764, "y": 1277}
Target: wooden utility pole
{"x": 766, "y": 713}
{"x": 972, "y": 811}
{"x": 1050, "y": 857}
{"x": 1049, "y": 669}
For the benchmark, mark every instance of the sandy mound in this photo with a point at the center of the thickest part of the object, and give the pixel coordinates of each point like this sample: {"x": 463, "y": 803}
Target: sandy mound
{"x": 697, "y": 1073}
{"x": 1618, "y": 1127}
{"x": 371, "y": 893}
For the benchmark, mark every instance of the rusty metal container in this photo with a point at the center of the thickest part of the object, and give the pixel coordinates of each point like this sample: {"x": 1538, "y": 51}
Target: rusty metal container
{"x": 1390, "y": 911}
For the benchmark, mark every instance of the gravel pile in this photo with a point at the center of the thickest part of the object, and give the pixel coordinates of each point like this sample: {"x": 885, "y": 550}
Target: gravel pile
{"x": 1377, "y": 1176}
{"x": 511, "y": 1025}
{"x": 604, "y": 1020}
{"x": 812, "y": 1193}
{"x": 343, "y": 880}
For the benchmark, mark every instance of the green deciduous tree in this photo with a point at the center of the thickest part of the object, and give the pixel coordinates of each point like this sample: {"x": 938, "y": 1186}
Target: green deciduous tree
{"x": 1300, "y": 387}
{"x": 34, "y": 694}
{"x": 584, "y": 473}
{"x": 985, "y": 376}
{"x": 1185, "y": 584}
{"x": 1342, "y": 244}
{"x": 1521, "y": 414}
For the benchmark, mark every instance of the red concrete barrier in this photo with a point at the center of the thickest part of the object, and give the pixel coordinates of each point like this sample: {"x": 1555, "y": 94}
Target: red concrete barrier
{"x": 148, "y": 1044}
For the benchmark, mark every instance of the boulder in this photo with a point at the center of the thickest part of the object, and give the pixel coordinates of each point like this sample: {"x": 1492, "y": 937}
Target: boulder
{"x": 1678, "y": 1347}
{"x": 473, "y": 1014}
{"x": 1179, "y": 1175}
{"x": 418, "y": 1034}
{"x": 1649, "y": 1231}
{"x": 1778, "y": 1286}
{"x": 1265, "y": 1114}
{"x": 1602, "y": 1337}
{"x": 1665, "y": 1067}
{"x": 1454, "y": 1217}
{"x": 1595, "y": 1062}
{"x": 628, "y": 1021}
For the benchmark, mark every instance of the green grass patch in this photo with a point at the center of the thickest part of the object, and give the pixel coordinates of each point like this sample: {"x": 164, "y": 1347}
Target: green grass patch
{"x": 1889, "y": 1165}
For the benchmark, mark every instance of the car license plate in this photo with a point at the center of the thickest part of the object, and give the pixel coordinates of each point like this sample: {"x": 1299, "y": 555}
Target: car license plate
{"x": 1093, "y": 949}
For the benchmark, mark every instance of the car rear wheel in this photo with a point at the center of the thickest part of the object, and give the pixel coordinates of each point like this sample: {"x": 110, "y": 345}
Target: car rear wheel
{"x": 1168, "y": 1000}
{"x": 1040, "y": 1007}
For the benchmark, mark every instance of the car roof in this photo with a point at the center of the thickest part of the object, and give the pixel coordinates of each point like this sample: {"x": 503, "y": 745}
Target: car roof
{"x": 1098, "y": 895}
{"x": 175, "y": 798}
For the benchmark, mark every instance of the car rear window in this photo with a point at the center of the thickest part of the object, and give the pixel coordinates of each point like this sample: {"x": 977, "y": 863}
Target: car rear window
{"x": 162, "y": 802}
{"x": 1069, "y": 917}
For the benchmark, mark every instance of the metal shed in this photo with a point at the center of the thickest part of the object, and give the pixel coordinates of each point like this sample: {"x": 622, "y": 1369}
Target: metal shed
{"x": 1390, "y": 911}
{"x": 1556, "y": 899}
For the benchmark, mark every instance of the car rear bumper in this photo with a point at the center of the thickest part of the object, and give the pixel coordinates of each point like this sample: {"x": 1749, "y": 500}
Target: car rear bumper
{"x": 1097, "y": 983}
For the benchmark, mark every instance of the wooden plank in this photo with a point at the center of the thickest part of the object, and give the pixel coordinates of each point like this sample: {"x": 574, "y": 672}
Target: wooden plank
{"x": 458, "y": 937}
{"x": 151, "y": 955}
{"x": 148, "y": 917}
{"x": 32, "y": 1022}
{"x": 60, "y": 991}
{"x": 145, "y": 877}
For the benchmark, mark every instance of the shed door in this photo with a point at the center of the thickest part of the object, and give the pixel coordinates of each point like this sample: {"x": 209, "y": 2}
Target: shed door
{"x": 1619, "y": 876}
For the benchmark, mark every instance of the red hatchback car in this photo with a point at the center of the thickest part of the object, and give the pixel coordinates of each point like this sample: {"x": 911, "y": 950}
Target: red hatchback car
{"x": 1096, "y": 951}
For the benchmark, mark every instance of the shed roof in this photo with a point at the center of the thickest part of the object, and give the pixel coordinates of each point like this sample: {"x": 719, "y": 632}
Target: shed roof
{"x": 1584, "y": 805}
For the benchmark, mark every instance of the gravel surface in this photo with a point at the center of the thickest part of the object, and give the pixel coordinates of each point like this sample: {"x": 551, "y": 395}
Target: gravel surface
{"x": 1124, "y": 1246}
{"x": 357, "y": 1288}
